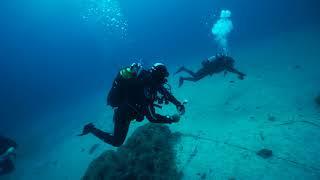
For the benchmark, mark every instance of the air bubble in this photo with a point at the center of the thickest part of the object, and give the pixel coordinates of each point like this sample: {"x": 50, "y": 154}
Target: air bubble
{"x": 108, "y": 14}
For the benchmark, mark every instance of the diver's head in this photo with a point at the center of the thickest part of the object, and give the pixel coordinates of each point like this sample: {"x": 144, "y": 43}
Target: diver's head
{"x": 159, "y": 73}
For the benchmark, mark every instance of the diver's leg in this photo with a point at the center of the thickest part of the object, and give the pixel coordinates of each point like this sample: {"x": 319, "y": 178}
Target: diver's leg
{"x": 122, "y": 121}
{"x": 180, "y": 70}
{"x": 193, "y": 74}
{"x": 121, "y": 126}
{"x": 195, "y": 78}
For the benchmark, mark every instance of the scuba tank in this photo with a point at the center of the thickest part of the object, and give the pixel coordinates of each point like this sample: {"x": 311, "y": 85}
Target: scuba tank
{"x": 117, "y": 93}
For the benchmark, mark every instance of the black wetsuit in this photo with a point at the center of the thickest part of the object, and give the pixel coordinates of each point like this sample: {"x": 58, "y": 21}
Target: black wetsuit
{"x": 133, "y": 99}
{"x": 6, "y": 165}
{"x": 219, "y": 64}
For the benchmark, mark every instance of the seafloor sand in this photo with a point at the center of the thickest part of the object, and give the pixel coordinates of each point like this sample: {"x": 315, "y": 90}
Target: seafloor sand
{"x": 224, "y": 125}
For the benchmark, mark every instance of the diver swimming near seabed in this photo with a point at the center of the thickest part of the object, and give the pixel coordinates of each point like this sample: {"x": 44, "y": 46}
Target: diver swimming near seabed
{"x": 135, "y": 95}
{"x": 221, "y": 62}
{"x": 210, "y": 66}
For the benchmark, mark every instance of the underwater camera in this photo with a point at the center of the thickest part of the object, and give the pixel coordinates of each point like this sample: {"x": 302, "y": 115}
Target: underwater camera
{"x": 163, "y": 99}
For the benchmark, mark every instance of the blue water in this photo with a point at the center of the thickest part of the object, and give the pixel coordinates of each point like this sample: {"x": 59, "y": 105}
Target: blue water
{"x": 54, "y": 53}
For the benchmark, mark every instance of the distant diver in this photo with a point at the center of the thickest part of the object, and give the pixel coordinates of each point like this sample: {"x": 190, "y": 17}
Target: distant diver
{"x": 213, "y": 65}
{"x": 7, "y": 155}
{"x": 135, "y": 94}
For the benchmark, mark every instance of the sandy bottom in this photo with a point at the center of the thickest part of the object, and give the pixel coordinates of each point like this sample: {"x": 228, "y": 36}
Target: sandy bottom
{"x": 225, "y": 124}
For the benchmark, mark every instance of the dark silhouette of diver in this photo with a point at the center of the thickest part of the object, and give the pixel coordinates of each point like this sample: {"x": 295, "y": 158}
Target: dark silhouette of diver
{"x": 213, "y": 65}
{"x": 134, "y": 95}
{"x": 7, "y": 155}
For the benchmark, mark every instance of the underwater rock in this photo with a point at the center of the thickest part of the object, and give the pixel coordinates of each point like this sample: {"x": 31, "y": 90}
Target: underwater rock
{"x": 265, "y": 153}
{"x": 148, "y": 154}
{"x": 317, "y": 100}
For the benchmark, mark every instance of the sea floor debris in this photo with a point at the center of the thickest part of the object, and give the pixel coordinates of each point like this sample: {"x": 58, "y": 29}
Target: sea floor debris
{"x": 265, "y": 153}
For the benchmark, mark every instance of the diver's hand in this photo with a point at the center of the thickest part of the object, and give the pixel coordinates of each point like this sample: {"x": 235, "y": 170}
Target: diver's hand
{"x": 181, "y": 109}
{"x": 87, "y": 129}
{"x": 175, "y": 118}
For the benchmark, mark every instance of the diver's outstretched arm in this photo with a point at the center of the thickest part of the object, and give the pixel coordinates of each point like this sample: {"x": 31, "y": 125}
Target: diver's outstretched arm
{"x": 240, "y": 74}
{"x": 153, "y": 117}
{"x": 168, "y": 95}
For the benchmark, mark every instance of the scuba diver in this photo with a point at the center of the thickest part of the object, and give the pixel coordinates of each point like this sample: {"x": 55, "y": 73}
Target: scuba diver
{"x": 7, "y": 155}
{"x": 213, "y": 65}
{"x": 135, "y": 93}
